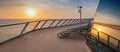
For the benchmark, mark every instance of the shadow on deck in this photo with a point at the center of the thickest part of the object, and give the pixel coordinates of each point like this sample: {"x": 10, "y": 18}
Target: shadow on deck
{"x": 46, "y": 40}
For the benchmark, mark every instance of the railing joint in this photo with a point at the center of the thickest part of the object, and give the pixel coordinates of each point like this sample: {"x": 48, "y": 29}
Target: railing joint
{"x": 27, "y": 23}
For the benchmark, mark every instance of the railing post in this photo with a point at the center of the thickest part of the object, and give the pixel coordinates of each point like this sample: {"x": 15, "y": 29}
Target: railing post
{"x": 68, "y": 21}
{"x": 98, "y": 36}
{"x": 36, "y": 25}
{"x": 58, "y": 22}
{"x": 77, "y": 21}
{"x": 108, "y": 40}
{"x": 90, "y": 37}
{"x": 24, "y": 28}
{"x": 63, "y": 23}
{"x": 44, "y": 23}
{"x": 52, "y": 23}
{"x": 73, "y": 21}
{"x": 118, "y": 47}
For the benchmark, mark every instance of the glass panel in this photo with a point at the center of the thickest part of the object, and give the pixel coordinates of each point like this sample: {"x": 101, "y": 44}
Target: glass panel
{"x": 41, "y": 23}
{"x": 55, "y": 23}
{"x": 78, "y": 21}
{"x": 71, "y": 22}
{"x": 94, "y": 33}
{"x": 10, "y": 32}
{"x": 103, "y": 37}
{"x": 60, "y": 22}
{"x": 113, "y": 43}
{"x": 66, "y": 22}
{"x": 75, "y": 22}
{"x": 30, "y": 26}
{"x": 47, "y": 24}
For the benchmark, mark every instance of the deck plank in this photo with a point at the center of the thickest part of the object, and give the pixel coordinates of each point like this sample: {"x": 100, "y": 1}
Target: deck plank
{"x": 46, "y": 40}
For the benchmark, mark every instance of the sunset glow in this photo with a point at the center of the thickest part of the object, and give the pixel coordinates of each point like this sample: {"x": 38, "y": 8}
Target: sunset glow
{"x": 46, "y": 9}
{"x": 31, "y": 12}
{"x": 99, "y": 29}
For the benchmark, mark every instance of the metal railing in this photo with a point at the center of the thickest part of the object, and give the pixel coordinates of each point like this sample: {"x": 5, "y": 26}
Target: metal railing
{"x": 11, "y": 31}
{"x": 106, "y": 39}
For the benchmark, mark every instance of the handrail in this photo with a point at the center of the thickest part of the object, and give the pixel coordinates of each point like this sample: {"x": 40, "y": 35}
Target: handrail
{"x": 61, "y": 22}
{"x": 108, "y": 39}
{"x": 40, "y": 20}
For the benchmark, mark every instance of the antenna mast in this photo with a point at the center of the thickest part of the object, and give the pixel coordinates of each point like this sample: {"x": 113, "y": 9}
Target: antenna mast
{"x": 80, "y": 11}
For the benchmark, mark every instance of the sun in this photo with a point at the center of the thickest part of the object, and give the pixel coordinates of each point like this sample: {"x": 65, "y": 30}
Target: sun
{"x": 99, "y": 29}
{"x": 30, "y": 12}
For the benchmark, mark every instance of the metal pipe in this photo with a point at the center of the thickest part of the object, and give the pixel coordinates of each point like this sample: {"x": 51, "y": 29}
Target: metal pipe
{"x": 108, "y": 40}
{"x": 24, "y": 28}
{"x": 36, "y": 25}
{"x": 68, "y": 22}
{"x": 58, "y": 22}
{"x": 44, "y": 24}
{"x": 52, "y": 23}
{"x": 63, "y": 22}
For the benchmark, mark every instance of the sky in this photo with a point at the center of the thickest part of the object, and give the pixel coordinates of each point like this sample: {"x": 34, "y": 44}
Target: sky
{"x": 47, "y": 9}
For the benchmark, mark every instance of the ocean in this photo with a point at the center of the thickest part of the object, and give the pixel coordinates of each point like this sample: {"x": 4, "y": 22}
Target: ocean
{"x": 10, "y": 31}
{"x": 11, "y": 21}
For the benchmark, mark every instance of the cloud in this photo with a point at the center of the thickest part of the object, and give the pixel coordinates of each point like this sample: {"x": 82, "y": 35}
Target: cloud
{"x": 11, "y": 4}
{"x": 51, "y": 3}
{"x": 69, "y": 3}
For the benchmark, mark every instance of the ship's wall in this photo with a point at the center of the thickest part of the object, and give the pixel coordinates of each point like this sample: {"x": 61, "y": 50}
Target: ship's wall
{"x": 107, "y": 20}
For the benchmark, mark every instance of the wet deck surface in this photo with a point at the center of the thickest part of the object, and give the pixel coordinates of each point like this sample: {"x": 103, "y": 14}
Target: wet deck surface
{"x": 46, "y": 40}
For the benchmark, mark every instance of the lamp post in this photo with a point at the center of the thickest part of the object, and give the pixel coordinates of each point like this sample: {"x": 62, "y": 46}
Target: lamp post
{"x": 80, "y": 11}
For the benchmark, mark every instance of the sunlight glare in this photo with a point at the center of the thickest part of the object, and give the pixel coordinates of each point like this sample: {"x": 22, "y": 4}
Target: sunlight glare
{"x": 31, "y": 11}
{"x": 99, "y": 29}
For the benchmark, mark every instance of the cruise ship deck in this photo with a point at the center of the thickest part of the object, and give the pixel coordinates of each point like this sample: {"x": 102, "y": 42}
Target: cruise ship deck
{"x": 46, "y": 36}
{"x": 46, "y": 40}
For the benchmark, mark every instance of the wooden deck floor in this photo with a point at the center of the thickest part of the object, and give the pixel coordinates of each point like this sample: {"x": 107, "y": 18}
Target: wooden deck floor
{"x": 46, "y": 41}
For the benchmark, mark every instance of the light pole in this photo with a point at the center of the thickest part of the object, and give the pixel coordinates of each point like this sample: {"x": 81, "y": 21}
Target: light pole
{"x": 80, "y": 11}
